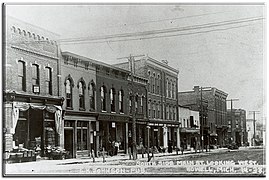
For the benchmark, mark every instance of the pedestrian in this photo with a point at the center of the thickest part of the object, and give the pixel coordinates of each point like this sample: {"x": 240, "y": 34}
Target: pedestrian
{"x": 116, "y": 147}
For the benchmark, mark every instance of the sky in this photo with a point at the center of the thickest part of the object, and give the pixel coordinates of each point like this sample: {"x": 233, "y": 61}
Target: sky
{"x": 220, "y": 46}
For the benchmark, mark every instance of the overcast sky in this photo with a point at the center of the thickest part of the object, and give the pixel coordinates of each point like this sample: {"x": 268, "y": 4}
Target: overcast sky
{"x": 220, "y": 46}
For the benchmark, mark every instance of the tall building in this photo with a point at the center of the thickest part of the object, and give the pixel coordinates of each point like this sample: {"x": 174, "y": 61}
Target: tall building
{"x": 162, "y": 99}
{"x": 32, "y": 101}
{"x": 237, "y": 128}
{"x": 211, "y": 102}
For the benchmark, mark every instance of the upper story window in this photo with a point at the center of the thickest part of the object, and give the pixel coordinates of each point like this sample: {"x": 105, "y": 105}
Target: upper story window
{"x": 121, "y": 101}
{"x": 35, "y": 78}
{"x": 92, "y": 95}
{"x": 81, "y": 93}
{"x": 21, "y": 76}
{"x": 153, "y": 111}
{"x": 112, "y": 100}
{"x": 158, "y": 111}
{"x": 103, "y": 98}
{"x": 130, "y": 104}
{"x": 136, "y": 103}
{"x": 48, "y": 80}
{"x": 141, "y": 104}
{"x": 68, "y": 91}
{"x": 149, "y": 109}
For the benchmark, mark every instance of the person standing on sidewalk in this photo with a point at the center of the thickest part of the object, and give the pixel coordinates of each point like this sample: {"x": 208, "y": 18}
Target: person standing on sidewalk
{"x": 116, "y": 147}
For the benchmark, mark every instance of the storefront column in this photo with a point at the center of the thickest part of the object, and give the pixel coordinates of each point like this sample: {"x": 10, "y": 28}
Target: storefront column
{"x": 165, "y": 137}
{"x": 127, "y": 136}
{"x": 8, "y": 137}
{"x": 89, "y": 138}
{"x": 75, "y": 140}
{"x": 97, "y": 136}
{"x": 178, "y": 137}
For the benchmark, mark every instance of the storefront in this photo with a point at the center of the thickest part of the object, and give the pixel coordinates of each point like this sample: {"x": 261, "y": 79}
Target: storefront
{"x": 80, "y": 134}
{"x": 114, "y": 129}
{"x": 33, "y": 125}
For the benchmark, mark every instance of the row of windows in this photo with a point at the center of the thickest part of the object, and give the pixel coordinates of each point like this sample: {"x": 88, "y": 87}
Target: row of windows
{"x": 170, "y": 89}
{"x": 154, "y": 111}
{"x": 189, "y": 123}
{"x": 35, "y": 78}
{"x": 81, "y": 93}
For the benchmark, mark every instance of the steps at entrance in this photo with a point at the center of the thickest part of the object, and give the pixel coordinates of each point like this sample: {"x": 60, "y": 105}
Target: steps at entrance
{"x": 83, "y": 154}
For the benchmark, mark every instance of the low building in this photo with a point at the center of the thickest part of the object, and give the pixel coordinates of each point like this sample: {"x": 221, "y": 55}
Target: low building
{"x": 189, "y": 128}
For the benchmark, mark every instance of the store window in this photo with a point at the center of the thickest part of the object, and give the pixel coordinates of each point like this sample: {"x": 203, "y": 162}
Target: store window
{"x": 82, "y": 135}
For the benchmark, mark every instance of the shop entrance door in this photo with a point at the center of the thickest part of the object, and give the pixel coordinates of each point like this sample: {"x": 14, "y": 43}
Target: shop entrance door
{"x": 68, "y": 141}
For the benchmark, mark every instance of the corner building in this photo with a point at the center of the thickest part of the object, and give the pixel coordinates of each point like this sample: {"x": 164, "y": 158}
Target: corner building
{"x": 32, "y": 102}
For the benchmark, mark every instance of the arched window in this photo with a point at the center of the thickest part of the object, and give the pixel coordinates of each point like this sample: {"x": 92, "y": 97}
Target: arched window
{"x": 92, "y": 95}
{"x": 153, "y": 111}
{"x": 141, "y": 104}
{"x": 21, "y": 76}
{"x": 103, "y": 98}
{"x": 35, "y": 78}
{"x": 48, "y": 80}
{"x": 81, "y": 93}
{"x": 68, "y": 91}
{"x": 158, "y": 111}
{"x": 136, "y": 103}
{"x": 112, "y": 100}
{"x": 121, "y": 101}
{"x": 149, "y": 109}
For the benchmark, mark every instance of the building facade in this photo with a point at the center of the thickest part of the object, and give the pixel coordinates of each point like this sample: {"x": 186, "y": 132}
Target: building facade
{"x": 78, "y": 87}
{"x": 162, "y": 99}
{"x": 237, "y": 128}
{"x": 211, "y": 103}
{"x": 189, "y": 128}
{"x": 32, "y": 102}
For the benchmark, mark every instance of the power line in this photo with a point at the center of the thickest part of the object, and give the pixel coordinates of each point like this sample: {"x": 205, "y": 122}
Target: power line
{"x": 169, "y": 30}
{"x": 154, "y": 37}
{"x": 169, "y": 19}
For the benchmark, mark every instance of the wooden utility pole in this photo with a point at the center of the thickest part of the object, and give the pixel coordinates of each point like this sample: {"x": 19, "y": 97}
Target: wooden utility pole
{"x": 232, "y": 110}
{"x": 202, "y": 123}
{"x": 254, "y": 125}
{"x": 132, "y": 94}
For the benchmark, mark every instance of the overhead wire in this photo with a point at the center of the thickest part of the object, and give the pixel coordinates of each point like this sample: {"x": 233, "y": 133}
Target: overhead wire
{"x": 155, "y": 32}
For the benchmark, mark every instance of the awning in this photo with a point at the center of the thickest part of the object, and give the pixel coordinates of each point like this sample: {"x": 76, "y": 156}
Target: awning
{"x": 185, "y": 130}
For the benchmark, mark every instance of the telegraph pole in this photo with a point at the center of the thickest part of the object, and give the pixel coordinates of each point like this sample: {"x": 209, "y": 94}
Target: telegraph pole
{"x": 232, "y": 109}
{"x": 202, "y": 117}
{"x": 132, "y": 94}
{"x": 254, "y": 125}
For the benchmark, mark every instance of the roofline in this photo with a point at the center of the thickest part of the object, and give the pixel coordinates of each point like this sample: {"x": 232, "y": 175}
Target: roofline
{"x": 162, "y": 64}
{"x": 93, "y": 61}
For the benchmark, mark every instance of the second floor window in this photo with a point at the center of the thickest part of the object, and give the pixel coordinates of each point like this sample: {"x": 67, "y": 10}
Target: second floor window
{"x": 35, "y": 78}
{"x": 103, "y": 98}
{"x": 21, "y": 76}
{"x": 92, "y": 96}
{"x": 81, "y": 95}
{"x": 136, "y": 103}
{"x": 121, "y": 101}
{"x": 68, "y": 90}
{"x": 48, "y": 80}
{"x": 112, "y": 100}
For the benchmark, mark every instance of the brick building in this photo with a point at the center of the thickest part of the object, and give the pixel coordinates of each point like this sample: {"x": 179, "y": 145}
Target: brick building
{"x": 162, "y": 99}
{"x": 237, "y": 128}
{"x": 78, "y": 87}
{"x": 97, "y": 107}
{"x": 213, "y": 113}
{"x": 32, "y": 104}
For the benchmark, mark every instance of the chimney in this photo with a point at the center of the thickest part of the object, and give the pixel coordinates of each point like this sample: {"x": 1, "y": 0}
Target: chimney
{"x": 196, "y": 88}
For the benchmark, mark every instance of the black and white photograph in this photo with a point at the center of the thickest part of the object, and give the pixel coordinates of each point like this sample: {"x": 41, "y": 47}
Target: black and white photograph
{"x": 134, "y": 90}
